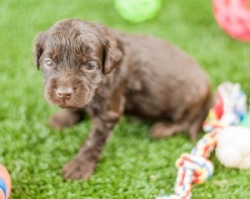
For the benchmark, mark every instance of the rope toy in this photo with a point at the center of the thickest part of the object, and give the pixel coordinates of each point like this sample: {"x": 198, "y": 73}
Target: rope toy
{"x": 195, "y": 168}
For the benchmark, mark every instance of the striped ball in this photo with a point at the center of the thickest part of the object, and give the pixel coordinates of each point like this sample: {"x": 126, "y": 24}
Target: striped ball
{"x": 5, "y": 183}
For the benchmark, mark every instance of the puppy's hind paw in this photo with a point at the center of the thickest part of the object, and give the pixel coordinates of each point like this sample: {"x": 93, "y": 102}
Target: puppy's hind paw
{"x": 162, "y": 130}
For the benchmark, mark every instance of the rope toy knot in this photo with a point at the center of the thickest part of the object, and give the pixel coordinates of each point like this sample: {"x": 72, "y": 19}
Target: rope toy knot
{"x": 198, "y": 167}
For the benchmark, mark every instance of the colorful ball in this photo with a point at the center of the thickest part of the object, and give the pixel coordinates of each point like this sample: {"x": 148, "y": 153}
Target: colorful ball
{"x": 5, "y": 183}
{"x": 233, "y": 16}
{"x": 138, "y": 10}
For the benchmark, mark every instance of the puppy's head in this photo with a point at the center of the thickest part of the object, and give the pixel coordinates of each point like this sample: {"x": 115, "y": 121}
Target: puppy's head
{"x": 75, "y": 57}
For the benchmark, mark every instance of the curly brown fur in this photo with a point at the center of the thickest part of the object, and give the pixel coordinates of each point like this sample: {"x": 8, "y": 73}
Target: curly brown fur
{"x": 108, "y": 74}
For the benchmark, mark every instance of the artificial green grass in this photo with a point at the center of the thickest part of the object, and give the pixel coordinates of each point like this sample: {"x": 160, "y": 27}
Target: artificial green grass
{"x": 133, "y": 165}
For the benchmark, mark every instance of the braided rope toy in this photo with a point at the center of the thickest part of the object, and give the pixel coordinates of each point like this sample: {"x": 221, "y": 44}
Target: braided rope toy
{"x": 195, "y": 168}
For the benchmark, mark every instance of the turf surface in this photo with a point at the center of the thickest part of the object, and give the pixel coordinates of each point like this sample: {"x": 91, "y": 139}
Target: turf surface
{"x": 133, "y": 165}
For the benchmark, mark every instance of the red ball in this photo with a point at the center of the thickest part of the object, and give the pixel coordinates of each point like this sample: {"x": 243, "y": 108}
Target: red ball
{"x": 5, "y": 183}
{"x": 233, "y": 16}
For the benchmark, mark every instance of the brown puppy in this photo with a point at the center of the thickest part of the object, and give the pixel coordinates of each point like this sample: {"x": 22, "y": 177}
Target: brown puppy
{"x": 109, "y": 73}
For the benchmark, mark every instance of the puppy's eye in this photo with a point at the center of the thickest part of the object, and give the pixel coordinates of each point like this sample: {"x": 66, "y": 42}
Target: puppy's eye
{"x": 89, "y": 67}
{"x": 48, "y": 63}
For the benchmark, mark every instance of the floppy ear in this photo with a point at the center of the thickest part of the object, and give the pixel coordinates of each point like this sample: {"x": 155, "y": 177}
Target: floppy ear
{"x": 39, "y": 47}
{"x": 112, "y": 54}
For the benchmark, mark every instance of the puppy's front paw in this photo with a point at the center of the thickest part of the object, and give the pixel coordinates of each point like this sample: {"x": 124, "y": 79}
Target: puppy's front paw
{"x": 64, "y": 119}
{"x": 56, "y": 121}
{"x": 78, "y": 169}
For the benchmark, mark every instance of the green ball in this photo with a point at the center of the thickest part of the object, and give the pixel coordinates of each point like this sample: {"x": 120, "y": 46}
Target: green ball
{"x": 138, "y": 10}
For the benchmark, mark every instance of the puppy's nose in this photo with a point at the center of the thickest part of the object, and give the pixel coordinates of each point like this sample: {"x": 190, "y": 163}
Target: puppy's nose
{"x": 64, "y": 93}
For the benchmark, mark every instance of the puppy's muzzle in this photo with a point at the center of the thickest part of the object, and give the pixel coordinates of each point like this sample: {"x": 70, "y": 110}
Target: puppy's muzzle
{"x": 64, "y": 93}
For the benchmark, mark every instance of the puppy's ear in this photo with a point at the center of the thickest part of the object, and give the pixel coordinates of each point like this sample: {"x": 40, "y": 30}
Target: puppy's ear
{"x": 112, "y": 54}
{"x": 39, "y": 47}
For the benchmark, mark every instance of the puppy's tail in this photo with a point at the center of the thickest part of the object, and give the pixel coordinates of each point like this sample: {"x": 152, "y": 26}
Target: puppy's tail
{"x": 204, "y": 108}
